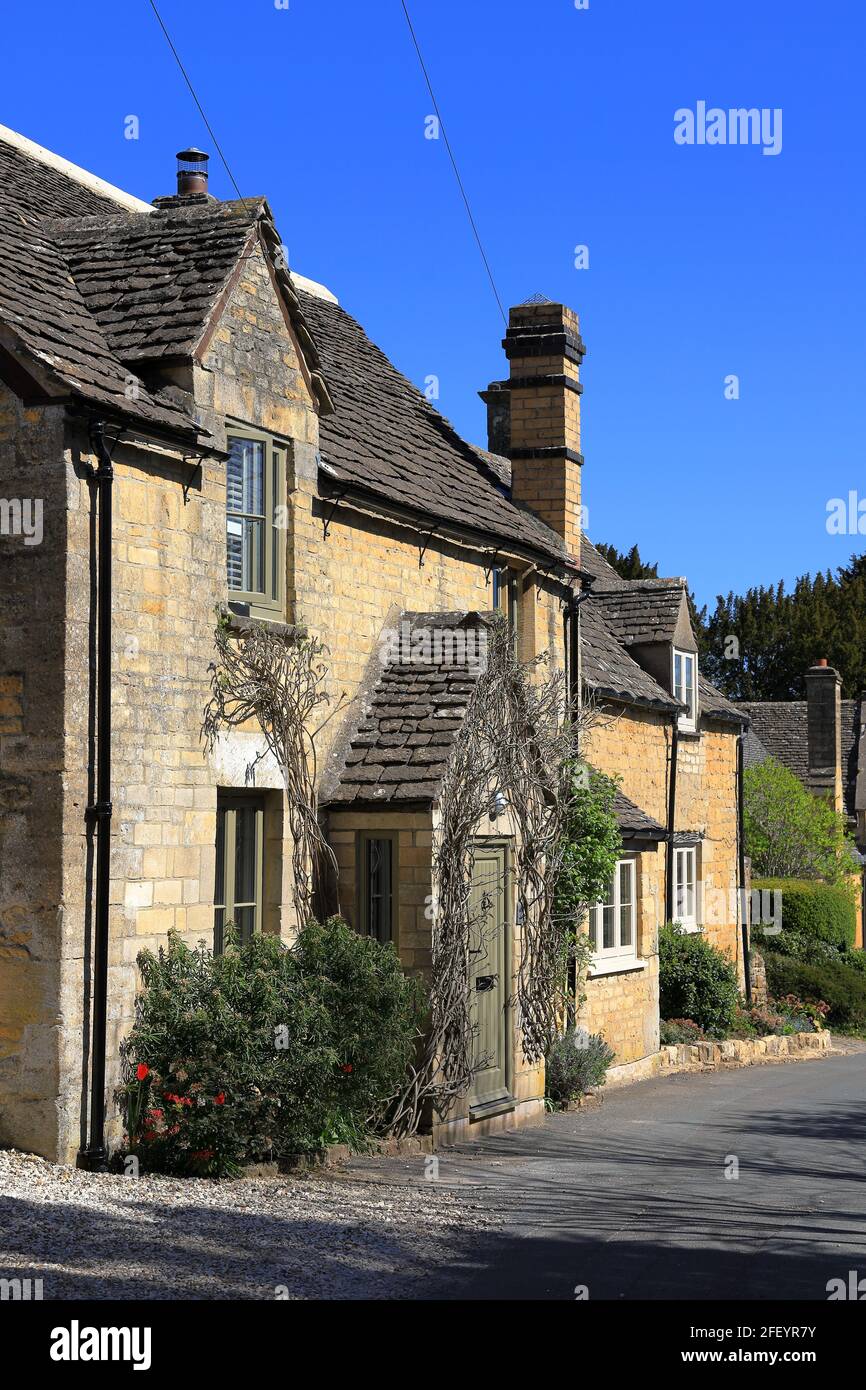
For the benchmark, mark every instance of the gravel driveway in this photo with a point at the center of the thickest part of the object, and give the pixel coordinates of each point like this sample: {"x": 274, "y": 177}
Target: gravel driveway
{"x": 90, "y": 1235}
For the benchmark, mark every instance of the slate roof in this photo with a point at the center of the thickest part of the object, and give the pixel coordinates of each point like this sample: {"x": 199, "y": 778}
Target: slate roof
{"x": 635, "y": 823}
{"x": 44, "y": 321}
{"x": 781, "y": 729}
{"x": 386, "y": 439}
{"x": 609, "y": 671}
{"x": 151, "y": 280}
{"x": 715, "y": 705}
{"x": 754, "y": 751}
{"x": 781, "y": 726}
{"x": 638, "y": 611}
{"x": 400, "y": 746}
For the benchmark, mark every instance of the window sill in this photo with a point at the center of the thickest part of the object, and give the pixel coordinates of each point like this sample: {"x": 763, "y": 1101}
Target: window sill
{"x": 689, "y": 928}
{"x": 617, "y": 965}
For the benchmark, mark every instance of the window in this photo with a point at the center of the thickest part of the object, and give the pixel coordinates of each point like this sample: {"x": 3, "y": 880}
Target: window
{"x": 613, "y": 922}
{"x": 686, "y": 887}
{"x": 378, "y": 873}
{"x": 239, "y": 866}
{"x": 686, "y": 687}
{"x": 255, "y": 542}
{"x": 506, "y": 595}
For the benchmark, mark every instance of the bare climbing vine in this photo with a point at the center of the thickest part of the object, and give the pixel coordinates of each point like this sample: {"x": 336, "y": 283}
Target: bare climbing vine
{"x": 519, "y": 740}
{"x": 276, "y": 676}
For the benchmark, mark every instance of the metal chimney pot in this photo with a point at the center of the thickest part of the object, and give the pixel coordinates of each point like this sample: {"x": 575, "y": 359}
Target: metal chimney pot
{"x": 191, "y": 172}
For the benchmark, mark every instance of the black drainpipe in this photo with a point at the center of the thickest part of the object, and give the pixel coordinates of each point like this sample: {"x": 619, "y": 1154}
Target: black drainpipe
{"x": 94, "y": 1156}
{"x": 672, "y": 811}
{"x": 741, "y": 855}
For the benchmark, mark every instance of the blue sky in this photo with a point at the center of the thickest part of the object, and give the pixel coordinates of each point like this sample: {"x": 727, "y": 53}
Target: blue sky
{"x": 704, "y": 261}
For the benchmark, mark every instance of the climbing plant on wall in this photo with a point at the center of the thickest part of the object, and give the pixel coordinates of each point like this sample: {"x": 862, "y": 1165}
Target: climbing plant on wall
{"x": 276, "y": 676}
{"x": 519, "y": 742}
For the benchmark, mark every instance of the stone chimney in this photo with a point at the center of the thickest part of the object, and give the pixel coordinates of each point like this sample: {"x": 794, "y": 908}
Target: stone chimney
{"x": 534, "y": 417}
{"x": 824, "y": 712}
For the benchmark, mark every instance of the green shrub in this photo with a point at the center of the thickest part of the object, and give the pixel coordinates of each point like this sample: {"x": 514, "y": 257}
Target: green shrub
{"x": 836, "y": 984}
{"x": 820, "y": 911}
{"x": 696, "y": 981}
{"x": 789, "y": 832}
{"x": 264, "y": 1051}
{"x": 679, "y": 1030}
{"x": 576, "y": 1062}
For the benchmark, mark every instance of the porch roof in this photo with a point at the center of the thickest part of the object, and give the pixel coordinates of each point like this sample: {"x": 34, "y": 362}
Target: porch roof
{"x": 399, "y": 749}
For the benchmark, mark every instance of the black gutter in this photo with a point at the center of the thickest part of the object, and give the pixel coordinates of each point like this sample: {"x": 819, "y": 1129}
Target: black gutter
{"x": 741, "y": 856}
{"x": 94, "y": 1156}
{"x": 672, "y": 811}
{"x": 365, "y": 498}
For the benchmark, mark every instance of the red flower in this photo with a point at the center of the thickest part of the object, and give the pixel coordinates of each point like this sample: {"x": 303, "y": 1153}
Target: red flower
{"x": 203, "y": 1153}
{"x": 220, "y": 1099}
{"x": 347, "y": 1066}
{"x": 155, "y": 1114}
{"x": 142, "y": 1071}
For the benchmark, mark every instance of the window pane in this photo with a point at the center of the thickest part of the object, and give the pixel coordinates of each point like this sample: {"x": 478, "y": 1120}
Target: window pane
{"x": 608, "y": 935}
{"x": 379, "y": 854}
{"x": 245, "y": 508}
{"x": 219, "y": 918}
{"x": 235, "y": 552}
{"x": 219, "y": 893}
{"x": 626, "y": 904}
{"x": 245, "y": 922}
{"x": 245, "y": 477}
{"x": 245, "y": 854}
{"x": 678, "y": 676}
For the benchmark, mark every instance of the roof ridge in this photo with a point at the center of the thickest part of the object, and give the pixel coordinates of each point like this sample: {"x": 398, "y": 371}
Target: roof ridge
{"x": 72, "y": 171}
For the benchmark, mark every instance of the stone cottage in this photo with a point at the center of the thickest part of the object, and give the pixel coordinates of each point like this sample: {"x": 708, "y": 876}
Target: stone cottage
{"x": 822, "y": 740}
{"x": 260, "y": 452}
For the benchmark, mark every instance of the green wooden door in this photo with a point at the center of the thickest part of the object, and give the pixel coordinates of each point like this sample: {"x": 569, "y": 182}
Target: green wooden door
{"x": 490, "y": 975}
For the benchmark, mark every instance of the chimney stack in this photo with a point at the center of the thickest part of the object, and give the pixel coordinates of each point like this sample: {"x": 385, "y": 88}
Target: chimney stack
{"x": 534, "y": 417}
{"x": 191, "y": 172}
{"x": 824, "y": 722}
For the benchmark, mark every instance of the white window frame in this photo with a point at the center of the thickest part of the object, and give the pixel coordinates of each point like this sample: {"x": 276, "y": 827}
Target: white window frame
{"x": 688, "y": 719}
{"x": 689, "y": 919}
{"x": 618, "y": 954}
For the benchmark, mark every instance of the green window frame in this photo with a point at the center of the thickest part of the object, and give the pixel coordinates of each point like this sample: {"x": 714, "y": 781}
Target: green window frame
{"x": 506, "y": 595}
{"x": 255, "y": 506}
{"x": 239, "y": 879}
{"x": 377, "y": 884}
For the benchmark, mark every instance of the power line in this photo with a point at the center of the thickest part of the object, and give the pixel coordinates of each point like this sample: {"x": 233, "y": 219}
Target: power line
{"x": 186, "y": 79}
{"x": 453, "y": 162}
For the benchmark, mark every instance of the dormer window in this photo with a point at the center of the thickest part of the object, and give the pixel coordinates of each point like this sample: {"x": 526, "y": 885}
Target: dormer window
{"x": 685, "y": 686}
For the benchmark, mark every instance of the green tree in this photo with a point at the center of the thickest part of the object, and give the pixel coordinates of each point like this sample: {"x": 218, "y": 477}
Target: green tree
{"x": 628, "y": 565}
{"x": 591, "y": 845}
{"x": 789, "y": 832}
{"x": 779, "y": 634}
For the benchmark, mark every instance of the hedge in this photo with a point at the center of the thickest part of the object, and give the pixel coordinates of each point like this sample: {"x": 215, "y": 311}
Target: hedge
{"x": 815, "y": 909}
{"x": 696, "y": 981}
{"x": 834, "y": 983}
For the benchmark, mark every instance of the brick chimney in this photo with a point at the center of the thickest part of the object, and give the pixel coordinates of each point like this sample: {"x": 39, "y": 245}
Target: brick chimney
{"x": 534, "y": 417}
{"x": 824, "y": 712}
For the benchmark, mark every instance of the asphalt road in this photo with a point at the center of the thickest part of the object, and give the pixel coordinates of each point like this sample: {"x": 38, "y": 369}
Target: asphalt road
{"x": 632, "y": 1201}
